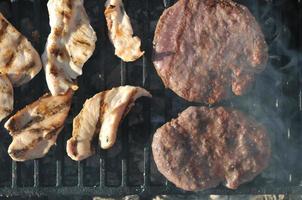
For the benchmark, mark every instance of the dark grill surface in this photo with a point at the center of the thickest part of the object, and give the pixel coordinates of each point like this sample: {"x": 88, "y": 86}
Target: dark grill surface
{"x": 128, "y": 168}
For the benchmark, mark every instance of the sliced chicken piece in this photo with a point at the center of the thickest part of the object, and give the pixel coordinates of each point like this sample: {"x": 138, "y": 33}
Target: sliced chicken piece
{"x": 18, "y": 59}
{"x": 126, "y": 46}
{"x": 101, "y": 116}
{"x": 6, "y": 97}
{"x": 35, "y": 128}
{"x": 70, "y": 44}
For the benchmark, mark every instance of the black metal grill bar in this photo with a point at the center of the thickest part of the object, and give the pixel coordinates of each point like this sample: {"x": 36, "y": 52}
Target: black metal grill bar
{"x": 146, "y": 112}
{"x": 145, "y": 71}
{"x": 14, "y": 164}
{"x": 154, "y": 190}
{"x": 300, "y": 59}
{"x": 14, "y": 174}
{"x": 300, "y": 98}
{"x": 102, "y": 155}
{"x": 80, "y": 173}
{"x": 147, "y": 167}
{"x": 124, "y": 172}
{"x": 36, "y": 173}
{"x": 59, "y": 158}
{"x": 166, "y": 3}
{"x": 102, "y": 173}
{"x": 58, "y": 173}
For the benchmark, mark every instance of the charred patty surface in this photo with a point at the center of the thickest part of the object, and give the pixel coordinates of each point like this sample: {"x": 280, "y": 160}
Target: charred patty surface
{"x": 204, "y": 147}
{"x": 204, "y": 48}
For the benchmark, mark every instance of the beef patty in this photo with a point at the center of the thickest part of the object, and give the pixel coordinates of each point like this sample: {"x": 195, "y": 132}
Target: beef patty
{"x": 204, "y": 147}
{"x": 204, "y": 48}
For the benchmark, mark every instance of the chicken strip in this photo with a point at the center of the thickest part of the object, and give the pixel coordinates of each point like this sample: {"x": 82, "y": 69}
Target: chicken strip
{"x": 35, "y": 128}
{"x": 6, "y": 97}
{"x": 18, "y": 59}
{"x": 101, "y": 116}
{"x": 70, "y": 44}
{"x": 126, "y": 46}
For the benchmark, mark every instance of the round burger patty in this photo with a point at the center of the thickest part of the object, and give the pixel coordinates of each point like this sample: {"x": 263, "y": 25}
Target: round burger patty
{"x": 204, "y": 48}
{"x": 204, "y": 147}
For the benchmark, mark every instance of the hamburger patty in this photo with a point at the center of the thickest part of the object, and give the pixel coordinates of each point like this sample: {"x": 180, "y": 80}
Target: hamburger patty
{"x": 202, "y": 48}
{"x": 204, "y": 147}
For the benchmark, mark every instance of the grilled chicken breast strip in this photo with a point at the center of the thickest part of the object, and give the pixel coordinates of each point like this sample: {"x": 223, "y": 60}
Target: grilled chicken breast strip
{"x": 101, "y": 116}
{"x": 120, "y": 30}
{"x": 70, "y": 44}
{"x": 35, "y": 128}
{"x": 18, "y": 59}
{"x": 6, "y": 97}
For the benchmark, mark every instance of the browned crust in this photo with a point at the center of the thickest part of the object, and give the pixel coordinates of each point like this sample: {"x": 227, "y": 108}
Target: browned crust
{"x": 200, "y": 62}
{"x": 14, "y": 126}
{"x": 205, "y": 147}
{"x": 26, "y": 72}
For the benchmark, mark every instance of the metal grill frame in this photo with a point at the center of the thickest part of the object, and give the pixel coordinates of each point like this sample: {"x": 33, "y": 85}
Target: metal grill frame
{"x": 147, "y": 189}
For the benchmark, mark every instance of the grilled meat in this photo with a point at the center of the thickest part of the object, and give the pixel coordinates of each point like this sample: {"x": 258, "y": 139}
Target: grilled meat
{"x": 126, "y": 46}
{"x": 18, "y": 59}
{"x": 6, "y": 97}
{"x": 101, "y": 116}
{"x": 70, "y": 44}
{"x": 204, "y": 147}
{"x": 35, "y": 128}
{"x": 205, "y": 48}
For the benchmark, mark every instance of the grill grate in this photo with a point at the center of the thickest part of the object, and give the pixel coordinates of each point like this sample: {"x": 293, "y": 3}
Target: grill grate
{"x": 148, "y": 186}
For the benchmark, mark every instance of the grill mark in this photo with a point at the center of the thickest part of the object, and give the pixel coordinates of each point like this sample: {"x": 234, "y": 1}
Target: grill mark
{"x": 58, "y": 31}
{"x": 57, "y": 109}
{"x": 76, "y": 61}
{"x": 3, "y": 28}
{"x": 55, "y": 51}
{"x": 59, "y": 52}
{"x": 15, "y": 129}
{"x": 52, "y": 133}
{"x": 6, "y": 110}
{"x": 19, "y": 40}
{"x": 103, "y": 107}
{"x": 53, "y": 70}
{"x": 29, "y": 66}
{"x": 74, "y": 144}
{"x": 76, "y": 125}
{"x": 66, "y": 15}
{"x": 10, "y": 59}
{"x": 69, "y": 4}
{"x": 6, "y": 89}
{"x": 19, "y": 153}
{"x": 82, "y": 42}
{"x": 129, "y": 102}
{"x": 109, "y": 10}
